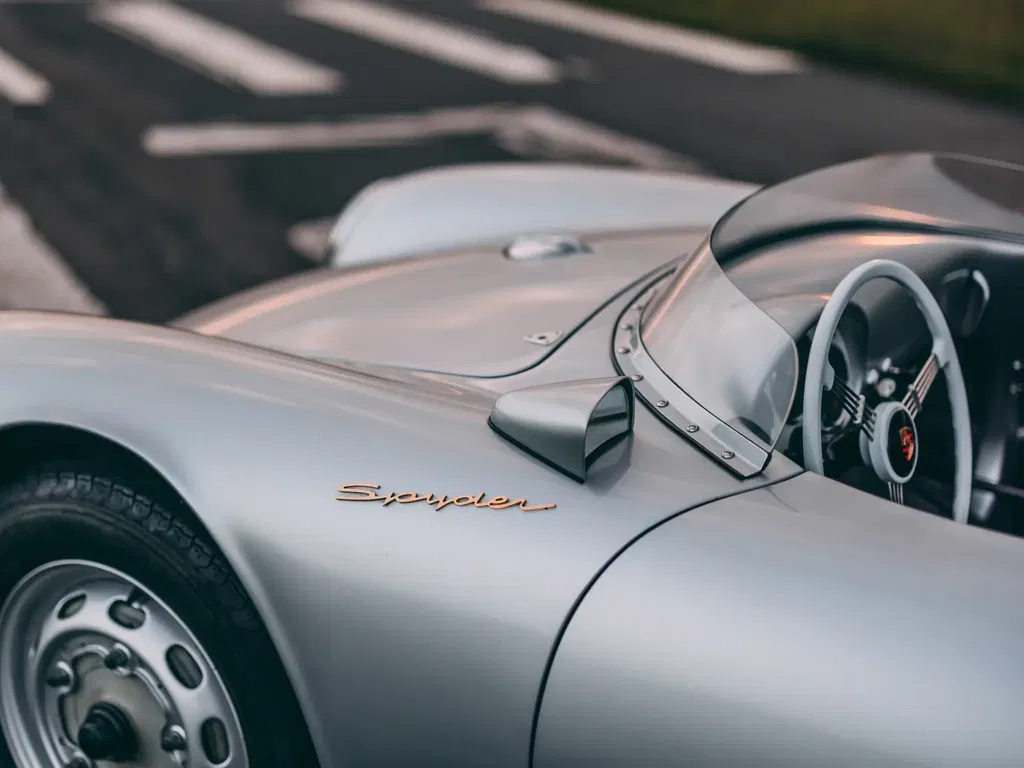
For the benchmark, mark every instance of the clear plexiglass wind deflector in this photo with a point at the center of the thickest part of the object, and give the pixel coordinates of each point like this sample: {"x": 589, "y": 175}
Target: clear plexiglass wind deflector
{"x": 721, "y": 349}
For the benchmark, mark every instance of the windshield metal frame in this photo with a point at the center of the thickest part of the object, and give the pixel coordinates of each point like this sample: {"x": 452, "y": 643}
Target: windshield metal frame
{"x": 744, "y": 454}
{"x": 672, "y": 405}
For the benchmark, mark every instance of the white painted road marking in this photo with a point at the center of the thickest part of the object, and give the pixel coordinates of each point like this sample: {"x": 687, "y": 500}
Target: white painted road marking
{"x": 387, "y": 131}
{"x": 32, "y": 276}
{"x": 432, "y": 39}
{"x": 216, "y": 50}
{"x": 701, "y": 47}
{"x": 533, "y": 131}
{"x": 19, "y": 84}
{"x": 541, "y": 131}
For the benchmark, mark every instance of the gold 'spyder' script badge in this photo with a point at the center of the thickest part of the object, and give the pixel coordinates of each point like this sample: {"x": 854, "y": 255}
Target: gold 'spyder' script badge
{"x": 368, "y": 492}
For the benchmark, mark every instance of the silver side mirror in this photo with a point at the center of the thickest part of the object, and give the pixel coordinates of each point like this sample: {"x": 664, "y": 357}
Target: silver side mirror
{"x": 567, "y": 425}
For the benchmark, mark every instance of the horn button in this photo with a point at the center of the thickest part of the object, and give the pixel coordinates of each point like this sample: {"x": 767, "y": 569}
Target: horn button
{"x": 892, "y": 449}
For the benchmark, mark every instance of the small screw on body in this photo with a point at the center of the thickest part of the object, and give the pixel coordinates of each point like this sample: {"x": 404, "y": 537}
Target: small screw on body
{"x": 661, "y": 403}
{"x": 637, "y": 377}
{"x": 728, "y": 455}
{"x": 626, "y": 327}
{"x": 623, "y": 350}
{"x": 119, "y": 657}
{"x": 692, "y": 428}
{"x": 543, "y": 339}
{"x": 60, "y": 676}
{"x": 173, "y": 739}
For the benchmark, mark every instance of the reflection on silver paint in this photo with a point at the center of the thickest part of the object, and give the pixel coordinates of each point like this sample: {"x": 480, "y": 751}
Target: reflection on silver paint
{"x": 533, "y": 247}
{"x": 464, "y": 312}
{"x": 803, "y": 625}
{"x": 566, "y": 423}
{"x": 256, "y": 442}
{"x": 509, "y": 200}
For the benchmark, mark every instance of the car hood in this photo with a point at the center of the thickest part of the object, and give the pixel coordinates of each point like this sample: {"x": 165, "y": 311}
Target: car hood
{"x": 471, "y": 312}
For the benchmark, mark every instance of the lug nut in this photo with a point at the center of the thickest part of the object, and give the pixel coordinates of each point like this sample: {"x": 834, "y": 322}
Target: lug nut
{"x": 119, "y": 657}
{"x": 60, "y": 676}
{"x": 173, "y": 739}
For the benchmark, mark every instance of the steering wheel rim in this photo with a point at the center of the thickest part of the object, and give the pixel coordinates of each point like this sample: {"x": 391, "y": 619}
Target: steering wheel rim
{"x": 820, "y": 376}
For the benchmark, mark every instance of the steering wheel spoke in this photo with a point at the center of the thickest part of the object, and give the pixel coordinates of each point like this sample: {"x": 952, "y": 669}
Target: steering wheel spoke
{"x": 855, "y": 404}
{"x": 896, "y": 493}
{"x": 918, "y": 390}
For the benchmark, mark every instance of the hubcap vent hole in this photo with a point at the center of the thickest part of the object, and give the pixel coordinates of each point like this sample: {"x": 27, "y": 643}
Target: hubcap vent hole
{"x": 184, "y": 668}
{"x": 127, "y": 615}
{"x": 71, "y": 606}
{"x": 214, "y": 737}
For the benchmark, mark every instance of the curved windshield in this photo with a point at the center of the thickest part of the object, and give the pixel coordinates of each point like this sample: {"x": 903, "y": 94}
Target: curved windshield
{"x": 721, "y": 349}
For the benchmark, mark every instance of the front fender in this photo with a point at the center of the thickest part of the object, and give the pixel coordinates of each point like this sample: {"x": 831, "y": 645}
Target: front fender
{"x": 412, "y": 635}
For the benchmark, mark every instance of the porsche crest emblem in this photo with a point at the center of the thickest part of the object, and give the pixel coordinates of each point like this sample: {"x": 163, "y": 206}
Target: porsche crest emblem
{"x": 368, "y": 492}
{"x": 907, "y": 443}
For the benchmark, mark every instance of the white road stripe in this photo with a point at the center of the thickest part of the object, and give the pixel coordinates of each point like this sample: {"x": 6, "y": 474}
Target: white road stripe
{"x": 541, "y": 131}
{"x": 433, "y": 39}
{"x": 216, "y": 50}
{"x": 19, "y": 84}
{"x": 32, "y": 276}
{"x": 527, "y": 131}
{"x": 702, "y": 47}
{"x": 386, "y": 131}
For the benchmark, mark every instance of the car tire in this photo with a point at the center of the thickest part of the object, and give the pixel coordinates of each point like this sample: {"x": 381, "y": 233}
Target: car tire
{"x": 74, "y": 521}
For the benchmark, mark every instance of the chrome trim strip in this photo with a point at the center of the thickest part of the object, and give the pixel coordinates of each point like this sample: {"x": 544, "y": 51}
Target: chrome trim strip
{"x": 672, "y": 405}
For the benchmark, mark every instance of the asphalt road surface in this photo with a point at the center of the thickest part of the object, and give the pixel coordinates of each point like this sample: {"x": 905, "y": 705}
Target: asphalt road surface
{"x": 155, "y": 156}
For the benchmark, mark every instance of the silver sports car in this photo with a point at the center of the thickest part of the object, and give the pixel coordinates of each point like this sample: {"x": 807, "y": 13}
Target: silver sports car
{"x": 551, "y": 466}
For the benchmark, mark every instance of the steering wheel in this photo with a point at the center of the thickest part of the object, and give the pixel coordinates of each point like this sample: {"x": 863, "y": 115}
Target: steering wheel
{"x": 888, "y": 434}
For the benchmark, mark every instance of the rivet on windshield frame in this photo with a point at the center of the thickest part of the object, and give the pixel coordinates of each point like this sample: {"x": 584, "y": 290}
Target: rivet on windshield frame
{"x": 637, "y": 377}
{"x": 692, "y": 428}
{"x": 626, "y": 327}
{"x": 728, "y": 455}
{"x": 623, "y": 350}
{"x": 661, "y": 403}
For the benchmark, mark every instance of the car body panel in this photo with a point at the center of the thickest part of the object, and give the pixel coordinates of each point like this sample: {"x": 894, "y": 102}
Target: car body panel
{"x": 461, "y": 206}
{"x": 466, "y": 312}
{"x": 388, "y": 620}
{"x": 680, "y": 610}
{"x": 804, "y": 624}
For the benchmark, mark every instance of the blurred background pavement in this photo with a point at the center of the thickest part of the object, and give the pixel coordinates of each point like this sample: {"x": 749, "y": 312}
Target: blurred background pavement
{"x": 155, "y": 156}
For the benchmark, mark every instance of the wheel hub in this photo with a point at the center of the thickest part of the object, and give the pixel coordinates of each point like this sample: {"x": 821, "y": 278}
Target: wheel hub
{"x": 96, "y": 672}
{"x": 107, "y": 734}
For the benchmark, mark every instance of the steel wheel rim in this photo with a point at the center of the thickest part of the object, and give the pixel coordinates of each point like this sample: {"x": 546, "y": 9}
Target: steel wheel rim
{"x": 74, "y": 634}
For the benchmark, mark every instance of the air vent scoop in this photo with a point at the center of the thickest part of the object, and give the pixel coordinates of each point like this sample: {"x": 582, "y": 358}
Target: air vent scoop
{"x": 567, "y": 425}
